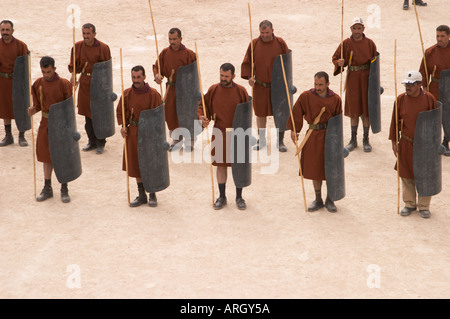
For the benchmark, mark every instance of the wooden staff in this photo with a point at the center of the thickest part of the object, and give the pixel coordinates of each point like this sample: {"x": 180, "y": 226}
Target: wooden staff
{"x": 396, "y": 126}
{"x": 32, "y": 124}
{"x": 309, "y": 132}
{"x": 204, "y": 112}
{"x": 348, "y": 69}
{"x": 251, "y": 50}
{"x": 342, "y": 44}
{"x": 156, "y": 43}
{"x": 432, "y": 76}
{"x": 295, "y": 131}
{"x": 74, "y": 70}
{"x": 123, "y": 126}
{"x": 168, "y": 87}
{"x": 421, "y": 43}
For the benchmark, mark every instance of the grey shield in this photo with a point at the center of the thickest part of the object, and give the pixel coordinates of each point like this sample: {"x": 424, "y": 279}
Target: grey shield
{"x": 241, "y": 143}
{"x": 21, "y": 93}
{"x": 187, "y": 91}
{"x": 280, "y": 103}
{"x": 374, "y": 92}
{"x": 63, "y": 141}
{"x": 426, "y": 158}
{"x": 152, "y": 150}
{"x": 334, "y": 158}
{"x": 102, "y": 100}
{"x": 444, "y": 97}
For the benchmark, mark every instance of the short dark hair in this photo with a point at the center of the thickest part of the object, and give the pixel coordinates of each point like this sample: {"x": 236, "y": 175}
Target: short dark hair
{"x": 47, "y": 61}
{"x": 89, "y": 26}
{"x": 175, "y": 30}
{"x": 265, "y": 23}
{"x": 8, "y": 21}
{"x": 227, "y": 67}
{"x": 322, "y": 74}
{"x": 138, "y": 68}
{"x": 443, "y": 28}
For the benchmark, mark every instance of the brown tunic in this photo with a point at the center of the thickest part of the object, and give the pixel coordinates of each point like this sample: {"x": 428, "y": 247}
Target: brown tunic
{"x": 169, "y": 60}
{"x": 356, "y": 96}
{"x": 264, "y": 54}
{"x": 439, "y": 57}
{"x": 220, "y": 104}
{"x": 309, "y": 105}
{"x": 8, "y": 54}
{"x": 136, "y": 101}
{"x": 408, "y": 111}
{"x": 98, "y": 52}
{"x": 54, "y": 91}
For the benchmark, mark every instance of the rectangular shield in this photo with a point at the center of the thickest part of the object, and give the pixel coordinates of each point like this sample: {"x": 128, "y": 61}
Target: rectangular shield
{"x": 426, "y": 159}
{"x": 21, "y": 93}
{"x": 63, "y": 141}
{"x": 334, "y": 158}
{"x": 102, "y": 100}
{"x": 152, "y": 150}
{"x": 444, "y": 98}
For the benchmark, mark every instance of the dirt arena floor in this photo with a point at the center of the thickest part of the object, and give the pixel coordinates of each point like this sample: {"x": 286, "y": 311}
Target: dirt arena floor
{"x": 98, "y": 247}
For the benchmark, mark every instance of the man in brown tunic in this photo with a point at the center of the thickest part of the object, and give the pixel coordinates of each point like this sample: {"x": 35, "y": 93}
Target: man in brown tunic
{"x": 265, "y": 49}
{"x": 437, "y": 60}
{"x": 357, "y": 79}
{"x": 88, "y": 52}
{"x": 170, "y": 59}
{"x": 220, "y": 104}
{"x": 46, "y": 91}
{"x": 308, "y": 106}
{"x": 410, "y": 104}
{"x": 10, "y": 49}
{"x": 138, "y": 98}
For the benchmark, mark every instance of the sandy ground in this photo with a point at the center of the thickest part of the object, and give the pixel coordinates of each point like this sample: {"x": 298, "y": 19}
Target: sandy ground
{"x": 98, "y": 247}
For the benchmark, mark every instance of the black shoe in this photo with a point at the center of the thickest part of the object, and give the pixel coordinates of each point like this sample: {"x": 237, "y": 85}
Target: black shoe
{"x": 260, "y": 144}
{"x": 329, "y": 205}
{"x": 220, "y": 203}
{"x": 406, "y": 211}
{"x": 240, "y": 203}
{"x": 47, "y": 192}
{"x": 152, "y": 201}
{"x": 65, "y": 198}
{"x": 405, "y": 5}
{"x": 9, "y": 139}
{"x": 425, "y": 213}
{"x": 89, "y": 147}
{"x": 352, "y": 145}
{"x": 100, "y": 149}
{"x": 175, "y": 146}
{"x": 445, "y": 144}
{"x": 141, "y": 199}
{"x": 22, "y": 140}
{"x": 281, "y": 147}
{"x": 316, "y": 205}
{"x": 366, "y": 145}
{"x": 420, "y": 3}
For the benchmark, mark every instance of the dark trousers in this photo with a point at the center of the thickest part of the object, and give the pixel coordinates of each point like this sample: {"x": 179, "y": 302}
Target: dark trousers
{"x": 91, "y": 135}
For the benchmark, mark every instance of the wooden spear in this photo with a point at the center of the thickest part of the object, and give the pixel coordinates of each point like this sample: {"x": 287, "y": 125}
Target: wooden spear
{"x": 342, "y": 44}
{"x": 123, "y": 126}
{"x": 295, "y": 131}
{"x": 396, "y": 126}
{"x": 32, "y": 124}
{"x": 421, "y": 43}
{"x": 204, "y": 112}
{"x": 156, "y": 43}
{"x": 74, "y": 70}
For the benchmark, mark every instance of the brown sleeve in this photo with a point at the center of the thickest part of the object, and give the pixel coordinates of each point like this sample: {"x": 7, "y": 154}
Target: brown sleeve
{"x": 35, "y": 94}
{"x": 208, "y": 104}
{"x": 246, "y": 66}
{"x": 297, "y": 112}
{"x": 393, "y": 128}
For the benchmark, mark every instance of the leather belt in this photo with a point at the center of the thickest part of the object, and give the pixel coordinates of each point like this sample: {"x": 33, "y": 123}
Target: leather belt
{"x": 6, "y": 75}
{"x": 320, "y": 126}
{"x": 409, "y": 139}
{"x": 263, "y": 84}
{"x": 134, "y": 123}
{"x": 45, "y": 114}
{"x": 435, "y": 80}
{"x": 86, "y": 74}
{"x": 359, "y": 67}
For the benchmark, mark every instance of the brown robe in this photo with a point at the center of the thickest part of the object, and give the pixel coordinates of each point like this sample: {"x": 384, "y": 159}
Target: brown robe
{"x": 264, "y": 54}
{"x": 54, "y": 91}
{"x": 169, "y": 60}
{"x": 356, "y": 96}
{"x": 439, "y": 57}
{"x": 8, "y": 54}
{"x": 408, "y": 111}
{"x": 220, "y": 104}
{"x": 98, "y": 52}
{"x": 136, "y": 101}
{"x": 309, "y": 105}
